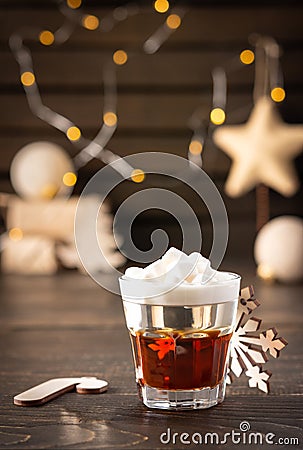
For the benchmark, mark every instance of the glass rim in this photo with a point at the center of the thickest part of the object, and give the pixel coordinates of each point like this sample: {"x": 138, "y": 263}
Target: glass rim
{"x": 234, "y": 276}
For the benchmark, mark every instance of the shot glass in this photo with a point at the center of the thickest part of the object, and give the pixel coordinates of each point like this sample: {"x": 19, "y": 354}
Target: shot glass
{"x": 180, "y": 342}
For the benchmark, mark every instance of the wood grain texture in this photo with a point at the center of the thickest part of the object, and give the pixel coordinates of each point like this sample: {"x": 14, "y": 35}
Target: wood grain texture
{"x": 68, "y": 326}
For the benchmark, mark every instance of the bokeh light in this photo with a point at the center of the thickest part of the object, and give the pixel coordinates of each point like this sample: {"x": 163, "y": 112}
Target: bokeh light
{"x": 137, "y": 176}
{"x": 69, "y": 179}
{"x": 49, "y": 191}
{"x": 73, "y": 133}
{"x": 265, "y": 272}
{"x": 120, "y": 57}
{"x": 74, "y": 4}
{"x": 217, "y": 116}
{"x": 195, "y": 147}
{"x": 46, "y": 37}
{"x": 173, "y": 21}
{"x": 110, "y": 119}
{"x": 278, "y": 94}
{"x": 15, "y": 234}
{"x": 27, "y": 78}
{"x": 90, "y": 22}
{"x": 161, "y": 6}
{"x": 247, "y": 57}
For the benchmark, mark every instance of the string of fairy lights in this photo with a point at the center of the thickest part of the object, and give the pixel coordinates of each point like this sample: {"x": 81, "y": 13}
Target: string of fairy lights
{"x": 268, "y": 80}
{"x": 97, "y": 147}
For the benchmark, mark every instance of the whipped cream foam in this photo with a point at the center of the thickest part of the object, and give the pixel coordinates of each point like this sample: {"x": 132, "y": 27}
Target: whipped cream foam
{"x": 179, "y": 279}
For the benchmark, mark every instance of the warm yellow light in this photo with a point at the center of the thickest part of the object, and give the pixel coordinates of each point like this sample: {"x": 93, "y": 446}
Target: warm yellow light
{"x": 90, "y": 22}
{"x": 217, "y": 116}
{"x": 46, "y": 37}
{"x": 49, "y": 191}
{"x": 137, "y": 176}
{"x": 265, "y": 272}
{"x": 161, "y": 6}
{"x": 69, "y": 179}
{"x": 278, "y": 94}
{"x": 110, "y": 119}
{"x": 15, "y": 234}
{"x": 173, "y": 21}
{"x": 247, "y": 57}
{"x": 120, "y": 57}
{"x": 73, "y": 133}
{"x": 195, "y": 147}
{"x": 74, "y": 4}
{"x": 27, "y": 78}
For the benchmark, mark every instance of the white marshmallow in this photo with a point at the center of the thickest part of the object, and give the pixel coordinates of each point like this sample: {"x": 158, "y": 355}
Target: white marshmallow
{"x": 203, "y": 264}
{"x": 221, "y": 276}
{"x": 154, "y": 270}
{"x": 190, "y": 278}
{"x": 199, "y": 279}
{"x": 174, "y": 264}
{"x": 171, "y": 257}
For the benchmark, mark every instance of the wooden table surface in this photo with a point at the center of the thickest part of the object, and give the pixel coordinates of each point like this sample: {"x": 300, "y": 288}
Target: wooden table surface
{"x": 66, "y": 326}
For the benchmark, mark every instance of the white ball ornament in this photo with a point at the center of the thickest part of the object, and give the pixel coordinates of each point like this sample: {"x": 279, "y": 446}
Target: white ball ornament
{"x": 42, "y": 170}
{"x": 279, "y": 249}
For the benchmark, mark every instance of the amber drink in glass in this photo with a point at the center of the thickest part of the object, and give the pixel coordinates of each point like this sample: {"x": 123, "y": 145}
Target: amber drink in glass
{"x": 180, "y": 342}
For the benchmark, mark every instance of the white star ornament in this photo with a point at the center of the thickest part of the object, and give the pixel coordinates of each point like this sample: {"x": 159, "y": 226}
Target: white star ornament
{"x": 262, "y": 151}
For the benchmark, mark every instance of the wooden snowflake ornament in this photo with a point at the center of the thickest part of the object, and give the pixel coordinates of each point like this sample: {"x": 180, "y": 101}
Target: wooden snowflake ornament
{"x": 249, "y": 351}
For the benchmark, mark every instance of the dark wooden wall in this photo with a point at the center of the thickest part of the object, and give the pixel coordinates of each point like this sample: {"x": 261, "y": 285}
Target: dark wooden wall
{"x": 157, "y": 93}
